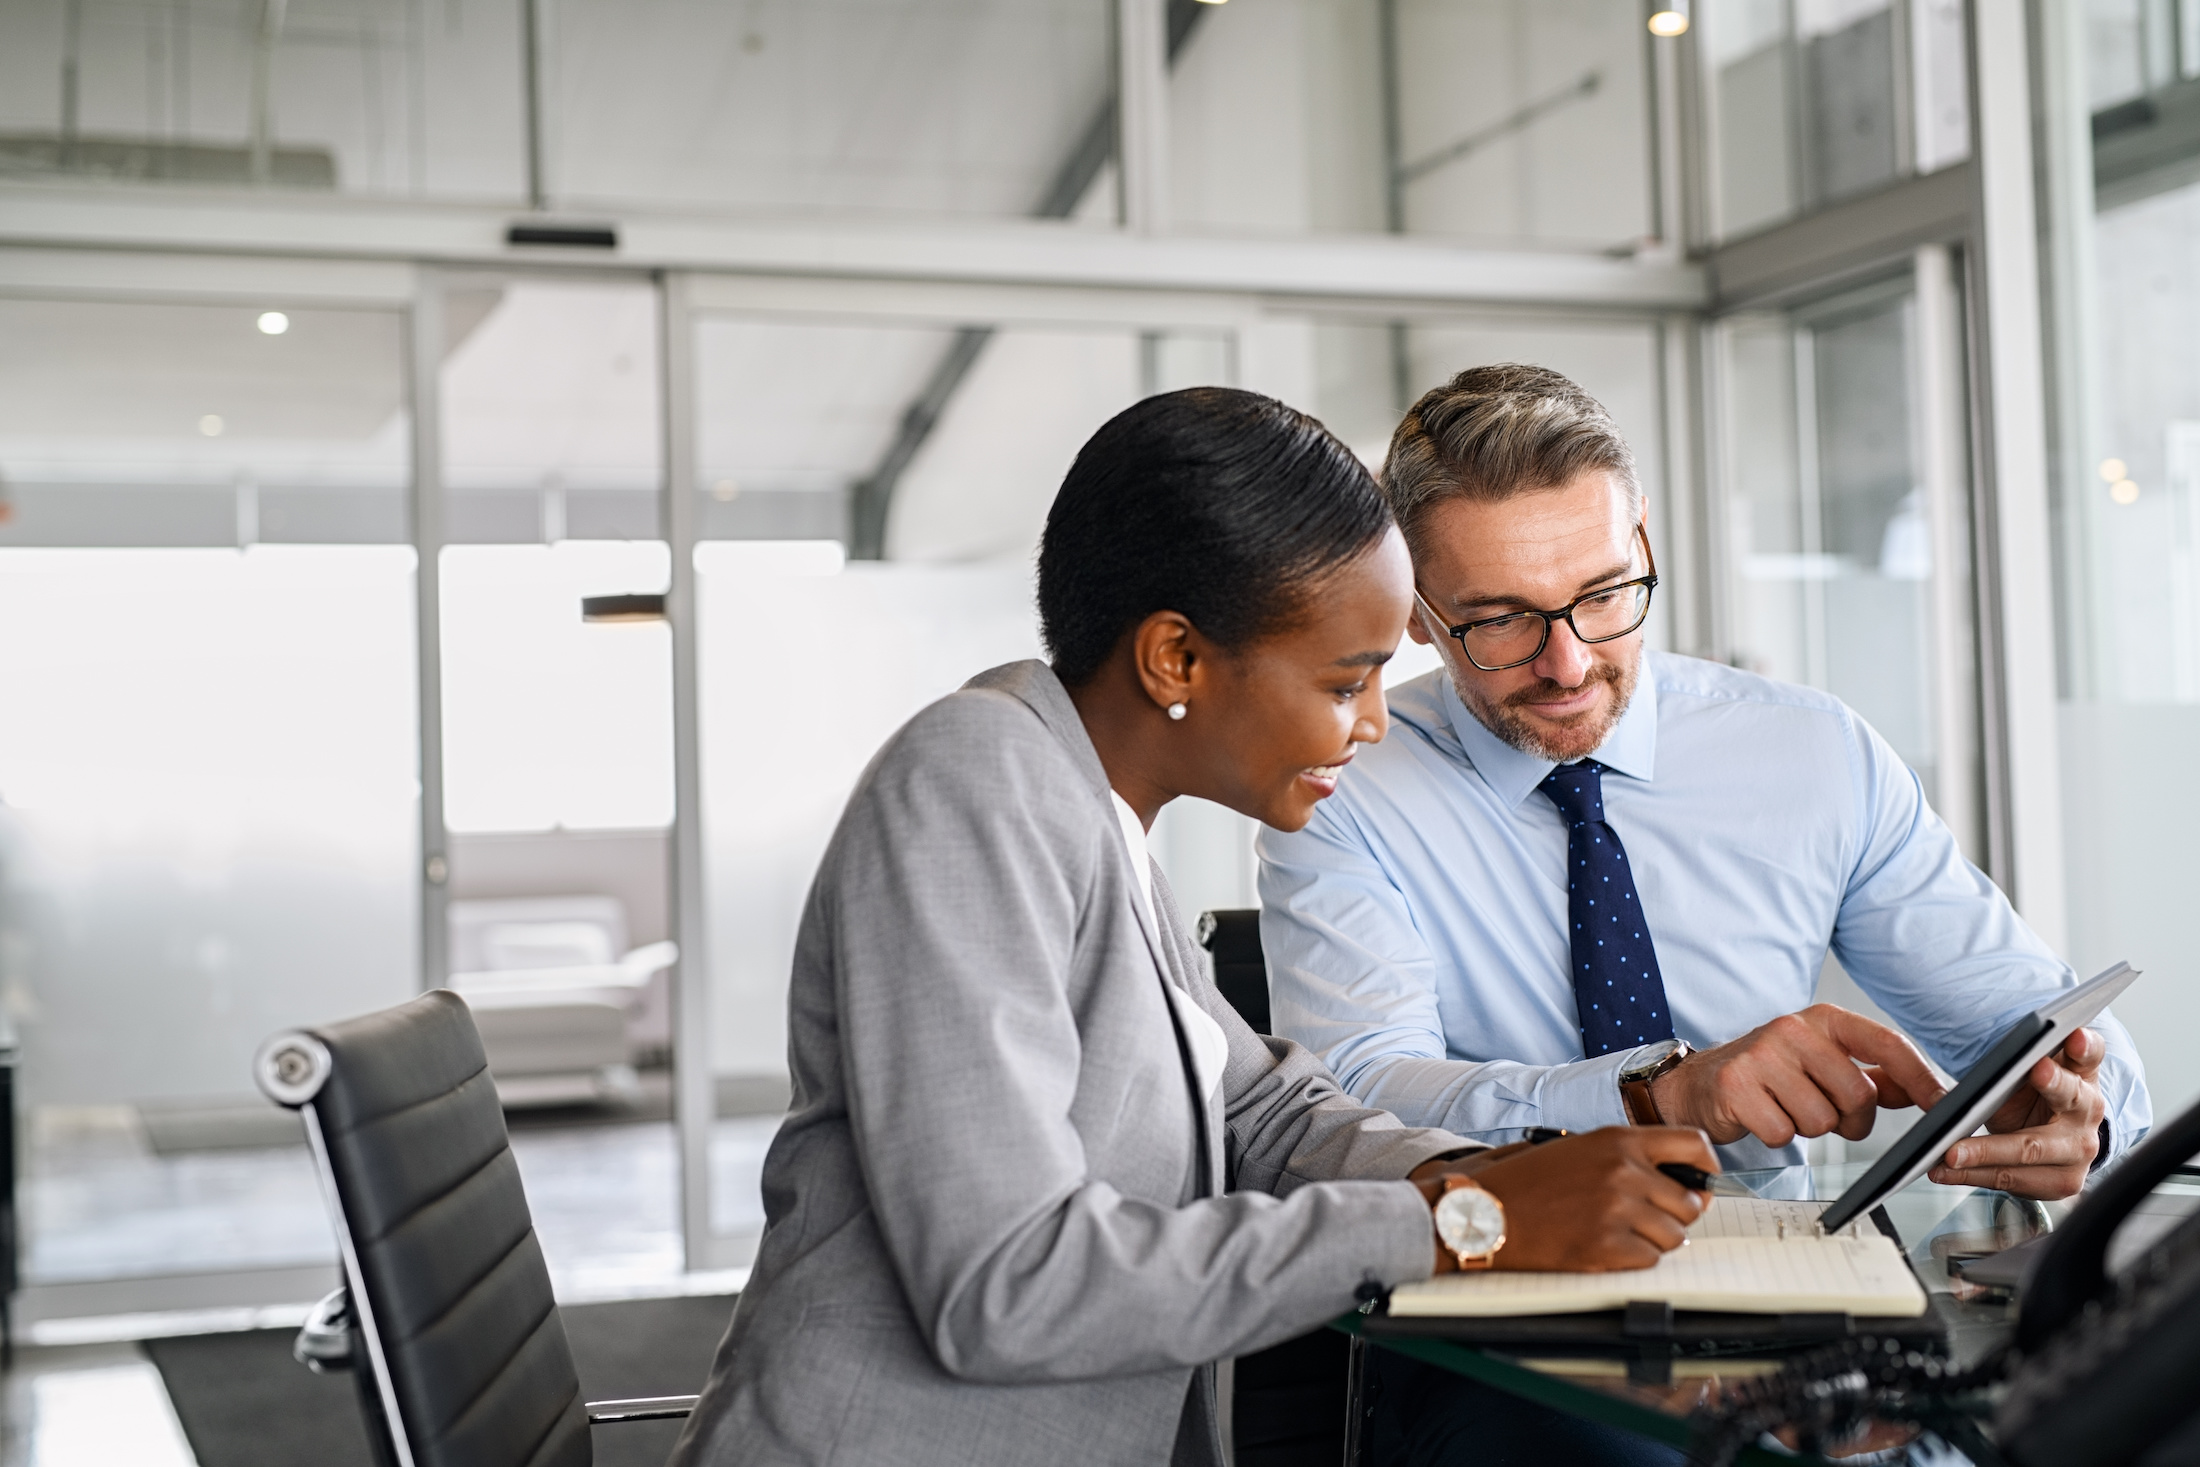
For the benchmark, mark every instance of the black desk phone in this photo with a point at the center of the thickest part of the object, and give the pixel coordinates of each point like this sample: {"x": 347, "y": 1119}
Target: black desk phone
{"x": 2103, "y": 1371}
{"x": 2107, "y": 1370}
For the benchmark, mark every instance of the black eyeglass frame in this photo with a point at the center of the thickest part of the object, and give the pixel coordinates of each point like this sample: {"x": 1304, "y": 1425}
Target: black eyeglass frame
{"x": 1649, "y": 584}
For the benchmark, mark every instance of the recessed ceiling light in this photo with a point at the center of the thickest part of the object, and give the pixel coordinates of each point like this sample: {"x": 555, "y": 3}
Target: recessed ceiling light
{"x": 1669, "y": 23}
{"x": 2123, "y": 491}
{"x": 2113, "y": 469}
{"x": 273, "y": 323}
{"x": 211, "y": 425}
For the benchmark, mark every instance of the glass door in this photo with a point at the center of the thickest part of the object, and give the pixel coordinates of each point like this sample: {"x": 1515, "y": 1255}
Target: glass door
{"x": 863, "y": 497}
{"x": 556, "y": 750}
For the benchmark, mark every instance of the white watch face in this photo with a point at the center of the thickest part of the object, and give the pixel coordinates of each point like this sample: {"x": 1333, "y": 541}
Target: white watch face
{"x": 1470, "y": 1221}
{"x": 1650, "y": 1058}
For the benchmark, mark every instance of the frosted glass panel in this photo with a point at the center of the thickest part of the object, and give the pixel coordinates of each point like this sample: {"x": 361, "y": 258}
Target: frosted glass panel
{"x": 550, "y": 723}
{"x": 207, "y": 807}
{"x": 806, "y": 669}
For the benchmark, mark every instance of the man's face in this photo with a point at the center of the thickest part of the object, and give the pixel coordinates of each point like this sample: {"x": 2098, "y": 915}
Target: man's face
{"x": 1535, "y": 552}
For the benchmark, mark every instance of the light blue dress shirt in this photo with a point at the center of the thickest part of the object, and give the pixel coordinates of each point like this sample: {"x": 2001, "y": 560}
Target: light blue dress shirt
{"x": 1415, "y": 930}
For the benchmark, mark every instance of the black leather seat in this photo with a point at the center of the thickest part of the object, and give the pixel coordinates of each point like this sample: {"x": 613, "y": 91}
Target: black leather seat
{"x": 447, "y": 1303}
{"x": 1290, "y": 1403}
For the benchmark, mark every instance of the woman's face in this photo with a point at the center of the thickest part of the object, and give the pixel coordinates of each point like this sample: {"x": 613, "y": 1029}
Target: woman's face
{"x": 1285, "y": 714}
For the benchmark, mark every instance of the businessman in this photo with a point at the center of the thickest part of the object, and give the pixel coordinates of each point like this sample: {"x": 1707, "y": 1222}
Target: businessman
{"x": 1582, "y": 885}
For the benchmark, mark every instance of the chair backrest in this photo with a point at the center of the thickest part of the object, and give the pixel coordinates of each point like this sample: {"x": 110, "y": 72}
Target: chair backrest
{"x": 1233, "y": 936}
{"x": 450, "y": 1295}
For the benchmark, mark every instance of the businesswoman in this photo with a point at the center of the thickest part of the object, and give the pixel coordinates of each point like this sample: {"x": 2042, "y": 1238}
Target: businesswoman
{"x": 1037, "y": 1173}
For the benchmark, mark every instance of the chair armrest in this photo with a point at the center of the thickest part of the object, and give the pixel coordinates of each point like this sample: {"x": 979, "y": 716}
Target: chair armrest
{"x": 325, "y": 1344}
{"x": 646, "y": 962}
{"x": 647, "y": 1408}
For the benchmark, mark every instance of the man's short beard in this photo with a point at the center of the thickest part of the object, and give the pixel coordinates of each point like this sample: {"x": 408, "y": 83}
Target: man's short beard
{"x": 1578, "y": 737}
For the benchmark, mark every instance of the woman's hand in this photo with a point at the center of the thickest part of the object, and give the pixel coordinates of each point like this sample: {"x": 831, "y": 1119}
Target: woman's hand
{"x": 1588, "y": 1203}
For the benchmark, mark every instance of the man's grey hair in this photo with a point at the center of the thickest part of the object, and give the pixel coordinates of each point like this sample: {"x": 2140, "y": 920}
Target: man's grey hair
{"x": 1492, "y": 433}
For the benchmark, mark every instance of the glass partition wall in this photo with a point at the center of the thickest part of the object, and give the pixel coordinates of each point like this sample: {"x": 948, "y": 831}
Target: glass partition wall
{"x": 208, "y": 772}
{"x": 2123, "y": 223}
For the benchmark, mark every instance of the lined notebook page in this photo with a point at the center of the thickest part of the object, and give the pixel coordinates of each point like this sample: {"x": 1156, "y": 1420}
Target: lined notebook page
{"x": 1745, "y": 1275}
{"x": 1768, "y": 1217}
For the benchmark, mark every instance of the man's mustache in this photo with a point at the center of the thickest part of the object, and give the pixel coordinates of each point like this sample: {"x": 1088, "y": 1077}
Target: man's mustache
{"x": 1544, "y": 690}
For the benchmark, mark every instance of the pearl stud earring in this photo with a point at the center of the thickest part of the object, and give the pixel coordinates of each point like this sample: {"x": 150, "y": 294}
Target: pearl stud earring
{"x": 1176, "y": 711}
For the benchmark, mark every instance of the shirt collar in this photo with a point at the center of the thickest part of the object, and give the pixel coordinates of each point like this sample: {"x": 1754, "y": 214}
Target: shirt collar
{"x": 1630, "y": 748}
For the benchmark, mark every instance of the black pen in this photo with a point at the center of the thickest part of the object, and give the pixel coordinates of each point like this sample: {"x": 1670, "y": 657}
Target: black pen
{"x": 1695, "y": 1179}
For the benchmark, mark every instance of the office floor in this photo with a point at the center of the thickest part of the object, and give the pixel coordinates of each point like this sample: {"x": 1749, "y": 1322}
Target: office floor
{"x": 106, "y": 1196}
{"x": 101, "y": 1201}
{"x": 88, "y": 1406}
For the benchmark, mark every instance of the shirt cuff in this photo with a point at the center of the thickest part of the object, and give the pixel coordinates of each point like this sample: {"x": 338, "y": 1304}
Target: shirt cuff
{"x": 1585, "y": 1094}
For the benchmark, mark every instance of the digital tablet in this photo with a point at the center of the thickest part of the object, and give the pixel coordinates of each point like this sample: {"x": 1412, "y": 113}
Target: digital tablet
{"x": 1978, "y": 1094}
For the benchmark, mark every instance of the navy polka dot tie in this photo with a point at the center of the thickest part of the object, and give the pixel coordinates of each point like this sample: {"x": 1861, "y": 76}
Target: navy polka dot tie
{"x": 1618, "y": 991}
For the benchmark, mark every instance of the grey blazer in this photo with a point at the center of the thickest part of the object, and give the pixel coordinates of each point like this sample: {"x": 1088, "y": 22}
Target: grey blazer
{"x": 994, "y": 1234}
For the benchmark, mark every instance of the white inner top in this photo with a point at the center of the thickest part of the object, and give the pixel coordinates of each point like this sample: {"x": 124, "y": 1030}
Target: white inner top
{"x": 1210, "y": 1050}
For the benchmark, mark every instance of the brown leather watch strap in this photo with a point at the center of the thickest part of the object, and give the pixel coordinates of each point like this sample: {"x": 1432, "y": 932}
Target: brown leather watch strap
{"x": 1642, "y": 1106}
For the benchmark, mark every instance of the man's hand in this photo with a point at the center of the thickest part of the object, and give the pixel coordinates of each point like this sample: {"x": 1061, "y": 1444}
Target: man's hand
{"x": 1586, "y": 1203}
{"x": 2045, "y": 1135}
{"x": 1797, "y": 1076}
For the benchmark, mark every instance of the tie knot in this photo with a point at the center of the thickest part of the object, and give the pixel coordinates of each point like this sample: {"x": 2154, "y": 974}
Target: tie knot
{"x": 1577, "y": 790}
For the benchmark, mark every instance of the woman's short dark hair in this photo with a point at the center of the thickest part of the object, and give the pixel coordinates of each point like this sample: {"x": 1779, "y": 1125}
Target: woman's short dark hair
{"x": 1221, "y": 504}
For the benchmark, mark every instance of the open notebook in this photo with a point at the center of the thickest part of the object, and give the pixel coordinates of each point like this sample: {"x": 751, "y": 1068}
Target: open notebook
{"x": 1747, "y": 1255}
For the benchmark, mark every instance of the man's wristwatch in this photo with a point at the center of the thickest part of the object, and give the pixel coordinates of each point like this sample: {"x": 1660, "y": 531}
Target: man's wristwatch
{"x": 1655, "y": 1061}
{"x": 1470, "y": 1223}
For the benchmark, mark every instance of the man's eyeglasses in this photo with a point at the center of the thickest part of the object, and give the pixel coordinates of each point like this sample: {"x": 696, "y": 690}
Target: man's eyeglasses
{"x": 1494, "y": 643}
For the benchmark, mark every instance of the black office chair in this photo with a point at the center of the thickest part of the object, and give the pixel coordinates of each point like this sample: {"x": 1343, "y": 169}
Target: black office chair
{"x": 445, "y": 1317}
{"x": 1291, "y": 1400}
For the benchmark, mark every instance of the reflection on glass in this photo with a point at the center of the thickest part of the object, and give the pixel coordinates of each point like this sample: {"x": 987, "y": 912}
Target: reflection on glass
{"x": 359, "y": 96}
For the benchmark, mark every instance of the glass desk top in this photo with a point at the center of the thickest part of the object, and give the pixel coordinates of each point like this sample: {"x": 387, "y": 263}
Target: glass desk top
{"x": 1653, "y": 1391}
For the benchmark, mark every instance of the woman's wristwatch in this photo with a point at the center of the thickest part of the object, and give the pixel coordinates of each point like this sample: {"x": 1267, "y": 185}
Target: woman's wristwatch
{"x": 1654, "y": 1063}
{"x": 1470, "y": 1223}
